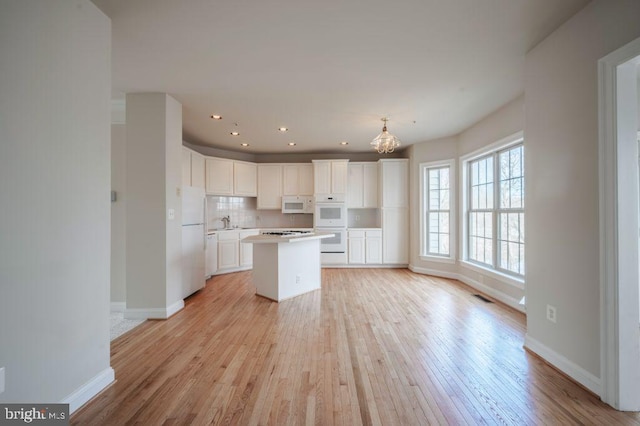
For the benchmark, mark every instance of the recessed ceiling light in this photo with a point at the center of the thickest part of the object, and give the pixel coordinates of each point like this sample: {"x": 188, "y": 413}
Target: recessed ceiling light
{"x": 344, "y": 143}
{"x": 282, "y": 129}
{"x": 235, "y": 134}
{"x": 292, "y": 144}
{"x": 216, "y": 117}
{"x": 244, "y": 144}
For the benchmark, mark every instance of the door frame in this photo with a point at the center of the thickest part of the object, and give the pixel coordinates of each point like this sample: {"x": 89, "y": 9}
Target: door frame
{"x": 619, "y": 247}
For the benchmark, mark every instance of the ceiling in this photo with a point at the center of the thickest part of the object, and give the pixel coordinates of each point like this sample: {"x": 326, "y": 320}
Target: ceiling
{"x": 327, "y": 70}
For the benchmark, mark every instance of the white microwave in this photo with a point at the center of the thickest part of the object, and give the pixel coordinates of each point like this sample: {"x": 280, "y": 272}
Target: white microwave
{"x": 297, "y": 204}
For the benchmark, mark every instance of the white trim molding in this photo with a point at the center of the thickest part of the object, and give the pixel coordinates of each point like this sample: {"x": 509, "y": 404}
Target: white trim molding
{"x": 571, "y": 369}
{"x": 154, "y": 313}
{"x": 90, "y": 389}
{"x": 618, "y": 212}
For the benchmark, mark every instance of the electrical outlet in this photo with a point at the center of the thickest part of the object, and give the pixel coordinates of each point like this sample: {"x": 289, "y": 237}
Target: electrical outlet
{"x": 172, "y": 214}
{"x": 297, "y": 279}
{"x": 1, "y": 379}
{"x": 551, "y": 313}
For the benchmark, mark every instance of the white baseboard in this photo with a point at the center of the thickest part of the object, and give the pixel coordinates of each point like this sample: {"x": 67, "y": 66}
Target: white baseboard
{"x": 154, "y": 313}
{"x": 364, "y": 266}
{"x": 118, "y": 306}
{"x": 498, "y": 295}
{"x": 435, "y": 273}
{"x": 577, "y": 373}
{"x": 90, "y": 389}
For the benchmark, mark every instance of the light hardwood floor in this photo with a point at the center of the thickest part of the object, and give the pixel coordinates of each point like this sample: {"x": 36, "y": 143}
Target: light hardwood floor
{"x": 374, "y": 346}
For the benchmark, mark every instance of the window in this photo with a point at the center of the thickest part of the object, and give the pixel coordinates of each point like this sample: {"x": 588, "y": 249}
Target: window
{"x": 437, "y": 201}
{"x": 495, "y": 210}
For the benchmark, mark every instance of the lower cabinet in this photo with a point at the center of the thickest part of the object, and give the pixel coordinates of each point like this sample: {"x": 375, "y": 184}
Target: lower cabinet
{"x": 232, "y": 254}
{"x": 365, "y": 246}
{"x": 228, "y": 254}
{"x": 395, "y": 248}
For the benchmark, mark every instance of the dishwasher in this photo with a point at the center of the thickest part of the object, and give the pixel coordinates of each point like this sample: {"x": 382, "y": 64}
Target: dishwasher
{"x": 211, "y": 256}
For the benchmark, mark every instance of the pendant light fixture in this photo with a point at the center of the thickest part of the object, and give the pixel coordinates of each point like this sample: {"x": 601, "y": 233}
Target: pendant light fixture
{"x": 385, "y": 142}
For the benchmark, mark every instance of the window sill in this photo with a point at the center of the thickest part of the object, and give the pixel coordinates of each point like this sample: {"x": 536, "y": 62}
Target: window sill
{"x": 507, "y": 279}
{"x": 438, "y": 259}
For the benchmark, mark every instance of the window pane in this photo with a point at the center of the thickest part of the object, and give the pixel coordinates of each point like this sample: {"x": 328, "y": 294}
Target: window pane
{"x": 437, "y": 207}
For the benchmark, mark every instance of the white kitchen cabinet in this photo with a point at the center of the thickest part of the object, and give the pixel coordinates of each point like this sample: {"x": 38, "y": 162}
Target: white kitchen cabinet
{"x": 197, "y": 170}
{"x": 211, "y": 255}
{"x": 297, "y": 179}
{"x": 228, "y": 254}
{"x": 232, "y": 254}
{"x": 244, "y": 179}
{"x": 246, "y": 249}
{"x": 269, "y": 186}
{"x": 365, "y": 246}
{"x": 356, "y": 247}
{"x": 192, "y": 168}
{"x": 219, "y": 176}
{"x": 362, "y": 187}
{"x": 373, "y": 247}
{"x": 394, "y": 182}
{"x": 330, "y": 177}
{"x": 395, "y": 235}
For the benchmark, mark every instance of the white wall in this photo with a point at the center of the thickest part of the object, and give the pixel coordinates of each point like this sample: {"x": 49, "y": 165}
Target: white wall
{"x": 153, "y": 174}
{"x": 118, "y": 215}
{"x": 54, "y": 182}
{"x": 436, "y": 150}
{"x": 502, "y": 123}
{"x": 561, "y": 132}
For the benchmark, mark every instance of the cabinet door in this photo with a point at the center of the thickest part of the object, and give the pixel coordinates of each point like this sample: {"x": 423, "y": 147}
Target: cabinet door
{"x": 269, "y": 186}
{"x": 197, "y": 170}
{"x": 305, "y": 179}
{"x": 186, "y": 167}
{"x": 228, "y": 254}
{"x": 338, "y": 177}
{"x": 369, "y": 185}
{"x": 373, "y": 250}
{"x": 244, "y": 178}
{"x": 395, "y": 236}
{"x": 356, "y": 250}
{"x": 394, "y": 180}
{"x": 290, "y": 179}
{"x": 355, "y": 186}
{"x": 219, "y": 176}
{"x": 322, "y": 177}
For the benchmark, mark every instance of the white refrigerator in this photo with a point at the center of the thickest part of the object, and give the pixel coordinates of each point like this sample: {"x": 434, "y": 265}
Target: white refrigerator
{"x": 194, "y": 239}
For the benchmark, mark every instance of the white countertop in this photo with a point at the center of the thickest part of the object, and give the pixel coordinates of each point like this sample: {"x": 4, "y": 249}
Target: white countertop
{"x": 276, "y": 239}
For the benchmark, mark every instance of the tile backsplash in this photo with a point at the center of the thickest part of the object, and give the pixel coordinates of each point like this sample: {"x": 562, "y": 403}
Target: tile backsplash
{"x": 243, "y": 213}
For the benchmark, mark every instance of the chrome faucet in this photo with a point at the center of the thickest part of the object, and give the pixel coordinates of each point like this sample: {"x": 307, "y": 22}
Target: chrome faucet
{"x": 226, "y": 221}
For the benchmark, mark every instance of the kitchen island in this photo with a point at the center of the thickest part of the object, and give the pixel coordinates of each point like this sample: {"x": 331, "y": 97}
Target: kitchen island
{"x": 286, "y": 266}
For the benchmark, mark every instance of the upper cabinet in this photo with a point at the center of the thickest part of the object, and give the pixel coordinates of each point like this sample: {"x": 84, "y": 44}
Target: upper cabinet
{"x": 219, "y": 176}
{"x": 244, "y": 179}
{"x": 330, "y": 177}
{"x": 297, "y": 179}
{"x": 192, "y": 168}
{"x": 394, "y": 182}
{"x": 230, "y": 177}
{"x": 269, "y": 186}
{"x": 363, "y": 185}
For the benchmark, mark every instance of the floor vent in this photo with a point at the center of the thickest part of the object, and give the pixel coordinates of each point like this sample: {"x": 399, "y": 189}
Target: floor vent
{"x": 481, "y": 297}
